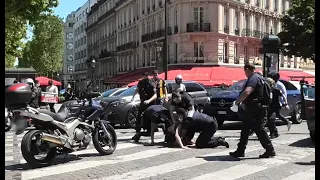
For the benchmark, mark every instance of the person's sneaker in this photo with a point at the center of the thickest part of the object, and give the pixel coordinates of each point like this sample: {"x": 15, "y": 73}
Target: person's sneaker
{"x": 237, "y": 153}
{"x": 268, "y": 154}
{"x": 223, "y": 142}
{"x": 289, "y": 125}
{"x": 136, "y": 137}
{"x": 274, "y": 135}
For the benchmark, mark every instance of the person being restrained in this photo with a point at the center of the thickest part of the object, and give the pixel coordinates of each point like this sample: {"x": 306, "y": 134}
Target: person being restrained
{"x": 186, "y": 127}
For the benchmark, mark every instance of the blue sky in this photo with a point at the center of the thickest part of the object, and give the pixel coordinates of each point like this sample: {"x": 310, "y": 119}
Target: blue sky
{"x": 67, "y": 6}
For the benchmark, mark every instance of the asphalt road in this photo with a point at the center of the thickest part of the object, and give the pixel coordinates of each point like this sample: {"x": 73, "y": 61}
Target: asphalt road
{"x": 295, "y": 160}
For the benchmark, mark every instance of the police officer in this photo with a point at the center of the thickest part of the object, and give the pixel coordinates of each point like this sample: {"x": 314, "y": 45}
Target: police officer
{"x": 181, "y": 101}
{"x": 148, "y": 96}
{"x": 161, "y": 88}
{"x": 199, "y": 122}
{"x": 250, "y": 97}
{"x": 159, "y": 117}
{"x": 35, "y": 93}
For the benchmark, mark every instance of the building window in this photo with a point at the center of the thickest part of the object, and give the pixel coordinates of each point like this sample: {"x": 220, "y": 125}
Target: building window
{"x": 69, "y": 68}
{"x": 198, "y": 13}
{"x": 175, "y": 52}
{"x": 175, "y": 17}
{"x": 236, "y": 23}
{"x": 276, "y": 28}
{"x": 236, "y": 58}
{"x": 267, "y": 26}
{"x": 226, "y": 18}
{"x": 266, "y": 4}
{"x": 245, "y": 48}
{"x": 283, "y": 6}
{"x": 225, "y": 53}
{"x": 198, "y": 52}
{"x": 257, "y": 3}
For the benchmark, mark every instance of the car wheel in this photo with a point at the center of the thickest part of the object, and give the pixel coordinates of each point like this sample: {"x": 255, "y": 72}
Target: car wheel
{"x": 220, "y": 123}
{"x": 312, "y": 136}
{"x": 296, "y": 115}
{"x": 200, "y": 109}
{"x": 131, "y": 118}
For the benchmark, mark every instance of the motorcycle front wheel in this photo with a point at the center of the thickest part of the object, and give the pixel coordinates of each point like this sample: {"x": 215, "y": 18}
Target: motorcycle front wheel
{"x": 101, "y": 140}
{"x": 36, "y": 152}
{"x": 7, "y": 126}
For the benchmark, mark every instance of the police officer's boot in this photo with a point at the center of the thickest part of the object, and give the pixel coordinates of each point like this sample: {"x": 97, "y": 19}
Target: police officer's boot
{"x": 239, "y": 152}
{"x": 136, "y": 137}
{"x": 274, "y": 134}
{"x": 223, "y": 142}
{"x": 269, "y": 153}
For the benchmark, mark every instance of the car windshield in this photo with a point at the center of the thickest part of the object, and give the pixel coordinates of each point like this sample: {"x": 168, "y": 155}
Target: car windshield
{"x": 108, "y": 93}
{"x": 237, "y": 86}
{"x": 129, "y": 92}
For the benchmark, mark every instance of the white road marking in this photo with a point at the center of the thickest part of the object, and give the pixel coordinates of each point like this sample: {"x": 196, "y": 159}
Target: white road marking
{"x": 8, "y": 158}
{"x": 305, "y": 175}
{"x": 49, "y": 171}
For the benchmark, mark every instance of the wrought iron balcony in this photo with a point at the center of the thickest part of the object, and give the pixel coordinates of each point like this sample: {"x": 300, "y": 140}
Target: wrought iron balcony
{"x": 198, "y": 27}
{"x": 176, "y": 29}
{"x": 226, "y": 29}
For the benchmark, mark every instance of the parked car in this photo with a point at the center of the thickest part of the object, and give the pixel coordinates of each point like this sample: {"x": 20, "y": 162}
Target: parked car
{"x": 124, "y": 112}
{"x": 221, "y": 103}
{"x": 309, "y": 101}
{"x": 113, "y": 92}
{"x": 214, "y": 90}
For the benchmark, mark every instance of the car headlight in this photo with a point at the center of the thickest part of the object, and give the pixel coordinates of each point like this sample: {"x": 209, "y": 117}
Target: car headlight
{"x": 117, "y": 103}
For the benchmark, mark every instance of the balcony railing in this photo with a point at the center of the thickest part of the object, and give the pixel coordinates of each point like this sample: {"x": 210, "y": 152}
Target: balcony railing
{"x": 155, "y": 34}
{"x": 198, "y": 27}
{"x": 127, "y": 46}
{"x": 253, "y": 33}
{"x": 176, "y": 29}
{"x": 105, "y": 54}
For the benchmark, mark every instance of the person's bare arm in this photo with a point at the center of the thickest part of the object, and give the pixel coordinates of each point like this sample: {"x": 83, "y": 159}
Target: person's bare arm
{"x": 244, "y": 95}
{"x": 178, "y": 138}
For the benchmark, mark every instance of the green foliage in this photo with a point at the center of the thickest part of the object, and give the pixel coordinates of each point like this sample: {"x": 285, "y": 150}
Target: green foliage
{"x": 298, "y": 35}
{"x": 18, "y": 14}
{"x": 45, "y": 51}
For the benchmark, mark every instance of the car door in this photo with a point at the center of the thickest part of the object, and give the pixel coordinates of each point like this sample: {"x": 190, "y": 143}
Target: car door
{"x": 293, "y": 96}
{"x": 197, "y": 92}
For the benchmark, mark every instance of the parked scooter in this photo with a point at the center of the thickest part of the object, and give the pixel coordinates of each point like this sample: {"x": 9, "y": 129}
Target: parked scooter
{"x": 54, "y": 133}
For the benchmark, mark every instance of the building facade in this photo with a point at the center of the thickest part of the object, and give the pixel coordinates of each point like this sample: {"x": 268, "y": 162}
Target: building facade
{"x": 68, "y": 67}
{"x": 124, "y": 35}
{"x": 80, "y": 45}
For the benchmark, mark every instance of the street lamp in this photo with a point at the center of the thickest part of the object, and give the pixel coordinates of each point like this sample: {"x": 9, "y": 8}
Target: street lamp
{"x": 93, "y": 65}
{"x": 165, "y": 44}
{"x": 270, "y": 52}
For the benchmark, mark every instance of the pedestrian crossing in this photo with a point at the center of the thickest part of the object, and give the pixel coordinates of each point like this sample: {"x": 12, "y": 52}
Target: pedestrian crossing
{"x": 135, "y": 161}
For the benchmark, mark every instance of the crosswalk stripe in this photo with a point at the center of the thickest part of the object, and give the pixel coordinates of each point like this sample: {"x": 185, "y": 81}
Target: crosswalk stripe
{"x": 48, "y": 171}
{"x": 8, "y": 158}
{"x": 305, "y": 175}
{"x": 231, "y": 173}
{"x": 242, "y": 170}
{"x": 172, "y": 166}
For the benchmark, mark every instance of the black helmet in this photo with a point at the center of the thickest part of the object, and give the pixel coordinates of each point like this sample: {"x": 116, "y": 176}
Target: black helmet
{"x": 274, "y": 75}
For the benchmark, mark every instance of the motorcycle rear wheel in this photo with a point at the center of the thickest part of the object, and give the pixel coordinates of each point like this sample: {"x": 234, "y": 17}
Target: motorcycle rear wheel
{"x": 30, "y": 148}
{"x": 7, "y": 126}
{"x": 100, "y": 139}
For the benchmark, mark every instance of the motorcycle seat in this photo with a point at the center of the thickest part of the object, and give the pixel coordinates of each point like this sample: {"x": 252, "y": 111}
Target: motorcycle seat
{"x": 60, "y": 116}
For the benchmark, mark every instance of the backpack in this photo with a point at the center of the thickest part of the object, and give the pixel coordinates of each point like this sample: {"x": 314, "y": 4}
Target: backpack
{"x": 265, "y": 93}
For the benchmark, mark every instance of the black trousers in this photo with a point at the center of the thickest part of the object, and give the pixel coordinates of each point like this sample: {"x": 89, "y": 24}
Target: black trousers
{"x": 271, "y": 122}
{"x": 51, "y": 105}
{"x": 159, "y": 101}
{"x": 206, "y": 138}
{"x": 254, "y": 119}
{"x": 142, "y": 124}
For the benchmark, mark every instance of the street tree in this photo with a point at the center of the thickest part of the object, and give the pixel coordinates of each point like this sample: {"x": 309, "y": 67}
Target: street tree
{"x": 45, "y": 50}
{"x": 18, "y": 14}
{"x": 298, "y": 30}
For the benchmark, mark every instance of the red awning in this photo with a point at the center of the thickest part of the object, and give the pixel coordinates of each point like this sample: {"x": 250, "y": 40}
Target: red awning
{"x": 296, "y": 76}
{"x": 208, "y": 76}
{"x": 43, "y": 81}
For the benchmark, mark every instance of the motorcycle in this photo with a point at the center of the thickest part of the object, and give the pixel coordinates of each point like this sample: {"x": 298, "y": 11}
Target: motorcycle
{"x": 8, "y": 117}
{"x": 56, "y": 134}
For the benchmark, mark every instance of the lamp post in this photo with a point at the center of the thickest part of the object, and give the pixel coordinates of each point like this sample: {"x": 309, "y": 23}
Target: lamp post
{"x": 93, "y": 65}
{"x": 270, "y": 50}
{"x": 165, "y": 44}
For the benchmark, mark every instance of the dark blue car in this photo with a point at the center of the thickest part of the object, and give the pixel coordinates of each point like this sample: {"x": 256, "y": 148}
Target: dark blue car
{"x": 222, "y": 101}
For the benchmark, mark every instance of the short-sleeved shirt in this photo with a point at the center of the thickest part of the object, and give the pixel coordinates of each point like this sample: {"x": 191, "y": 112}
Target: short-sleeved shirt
{"x": 198, "y": 122}
{"x": 160, "y": 87}
{"x": 283, "y": 89}
{"x": 178, "y": 88}
{"x": 186, "y": 102}
{"x": 146, "y": 89}
{"x": 254, "y": 81}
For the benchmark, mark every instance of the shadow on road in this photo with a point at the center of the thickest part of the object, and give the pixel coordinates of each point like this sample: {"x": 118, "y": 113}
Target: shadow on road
{"x": 220, "y": 158}
{"x": 59, "y": 160}
{"x": 306, "y": 163}
{"x": 303, "y": 143}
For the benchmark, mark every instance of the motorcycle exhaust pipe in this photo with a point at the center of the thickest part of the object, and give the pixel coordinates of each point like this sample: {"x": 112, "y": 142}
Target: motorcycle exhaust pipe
{"x": 52, "y": 139}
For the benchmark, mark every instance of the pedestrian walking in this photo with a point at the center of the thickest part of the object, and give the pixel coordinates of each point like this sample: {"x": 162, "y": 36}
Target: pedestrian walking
{"x": 53, "y": 90}
{"x": 251, "y": 98}
{"x": 186, "y": 127}
{"x": 275, "y": 107}
{"x": 161, "y": 87}
{"x": 148, "y": 95}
